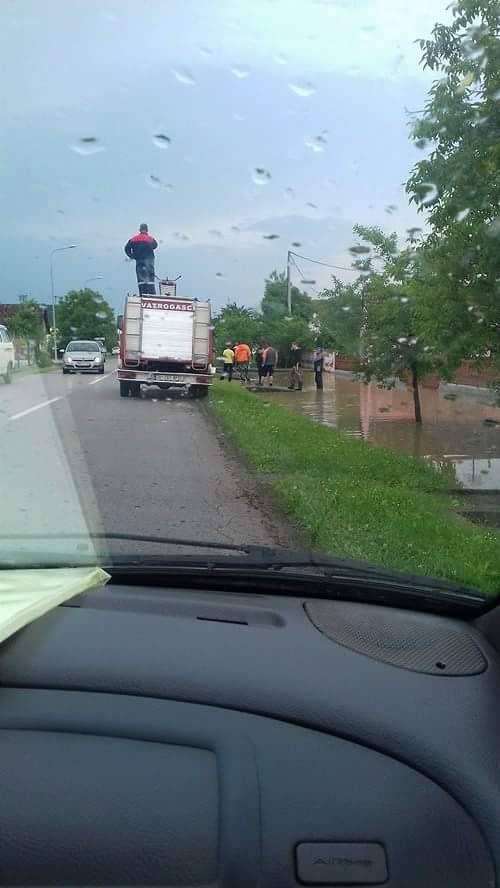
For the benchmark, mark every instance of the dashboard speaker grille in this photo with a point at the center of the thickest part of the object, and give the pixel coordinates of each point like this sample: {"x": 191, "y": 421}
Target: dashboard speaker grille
{"x": 419, "y": 642}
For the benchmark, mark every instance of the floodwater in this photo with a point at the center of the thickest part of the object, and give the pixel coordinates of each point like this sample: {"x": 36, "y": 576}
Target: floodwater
{"x": 452, "y": 431}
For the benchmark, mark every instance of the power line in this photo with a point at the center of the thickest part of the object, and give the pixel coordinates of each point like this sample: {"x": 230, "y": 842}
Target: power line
{"x": 303, "y": 281}
{"x": 318, "y": 262}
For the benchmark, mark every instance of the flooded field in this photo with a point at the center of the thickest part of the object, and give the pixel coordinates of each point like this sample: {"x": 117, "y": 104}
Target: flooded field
{"x": 456, "y": 429}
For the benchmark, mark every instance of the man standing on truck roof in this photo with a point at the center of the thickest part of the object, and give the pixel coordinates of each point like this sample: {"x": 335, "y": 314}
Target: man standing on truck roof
{"x": 141, "y": 248}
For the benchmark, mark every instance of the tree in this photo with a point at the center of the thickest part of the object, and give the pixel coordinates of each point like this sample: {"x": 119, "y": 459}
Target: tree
{"x": 281, "y": 334}
{"x": 339, "y": 313}
{"x": 458, "y": 183}
{"x": 235, "y": 323}
{"x": 85, "y": 314}
{"x": 391, "y": 341}
{"x": 27, "y": 323}
{"x": 274, "y": 305}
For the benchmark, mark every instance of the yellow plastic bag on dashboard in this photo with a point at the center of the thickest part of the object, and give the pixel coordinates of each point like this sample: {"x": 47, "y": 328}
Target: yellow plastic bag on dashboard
{"x": 26, "y": 595}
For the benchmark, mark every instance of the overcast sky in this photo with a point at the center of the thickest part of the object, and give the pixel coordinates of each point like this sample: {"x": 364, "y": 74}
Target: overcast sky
{"x": 314, "y": 93}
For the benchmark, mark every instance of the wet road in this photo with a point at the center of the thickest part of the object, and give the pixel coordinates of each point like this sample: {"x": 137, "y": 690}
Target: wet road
{"x": 76, "y": 455}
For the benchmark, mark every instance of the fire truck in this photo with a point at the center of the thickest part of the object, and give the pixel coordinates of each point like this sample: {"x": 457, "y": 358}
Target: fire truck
{"x": 166, "y": 341}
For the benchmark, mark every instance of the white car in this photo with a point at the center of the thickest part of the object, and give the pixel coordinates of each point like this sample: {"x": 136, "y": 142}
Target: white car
{"x": 7, "y": 354}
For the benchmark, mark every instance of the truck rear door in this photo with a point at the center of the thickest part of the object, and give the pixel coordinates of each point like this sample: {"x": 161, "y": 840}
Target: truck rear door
{"x": 167, "y": 330}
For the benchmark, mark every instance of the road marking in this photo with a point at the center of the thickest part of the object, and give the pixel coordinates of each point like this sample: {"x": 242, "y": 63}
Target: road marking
{"x": 101, "y": 378}
{"x": 36, "y": 407}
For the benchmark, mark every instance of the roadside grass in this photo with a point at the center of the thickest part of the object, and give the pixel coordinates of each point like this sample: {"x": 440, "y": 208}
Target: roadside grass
{"x": 33, "y": 370}
{"x": 358, "y": 501}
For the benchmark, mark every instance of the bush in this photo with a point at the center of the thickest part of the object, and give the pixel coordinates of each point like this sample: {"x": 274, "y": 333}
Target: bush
{"x": 43, "y": 360}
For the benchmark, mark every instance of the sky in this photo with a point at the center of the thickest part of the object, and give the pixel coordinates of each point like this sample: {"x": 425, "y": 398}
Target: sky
{"x": 217, "y": 122}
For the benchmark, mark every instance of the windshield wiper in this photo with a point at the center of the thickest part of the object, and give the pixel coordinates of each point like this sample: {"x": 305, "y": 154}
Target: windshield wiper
{"x": 133, "y": 537}
{"x": 274, "y": 571}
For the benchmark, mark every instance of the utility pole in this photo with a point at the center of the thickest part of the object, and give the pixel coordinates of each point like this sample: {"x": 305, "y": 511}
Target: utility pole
{"x": 57, "y": 250}
{"x": 288, "y": 285}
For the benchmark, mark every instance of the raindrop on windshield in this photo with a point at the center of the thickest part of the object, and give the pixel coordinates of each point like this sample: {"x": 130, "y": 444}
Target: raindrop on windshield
{"x": 261, "y": 176}
{"x": 206, "y": 51}
{"x": 493, "y": 228}
{"x": 214, "y": 232}
{"x": 346, "y": 308}
{"x": 156, "y": 182}
{"x": 391, "y": 208}
{"x": 359, "y": 249}
{"x": 402, "y": 340}
{"x": 161, "y": 140}
{"x": 302, "y": 88}
{"x": 289, "y": 192}
{"x": 178, "y": 235}
{"x": 404, "y": 299}
{"x": 462, "y": 214}
{"x": 182, "y": 75}
{"x": 296, "y": 243}
{"x": 270, "y": 236}
{"x": 88, "y": 145}
{"x": 317, "y": 143}
{"x": 421, "y": 144}
{"x": 412, "y": 232}
{"x": 235, "y": 228}
{"x": 218, "y": 274}
{"x": 240, "y": 71}
{"x": 307, "y": 282}
{"x": 312, "y": 205}
{"x": 428, "y": 193}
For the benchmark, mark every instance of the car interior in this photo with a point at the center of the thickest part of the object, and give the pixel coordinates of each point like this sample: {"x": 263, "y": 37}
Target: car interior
{"x": 163, "y": 733}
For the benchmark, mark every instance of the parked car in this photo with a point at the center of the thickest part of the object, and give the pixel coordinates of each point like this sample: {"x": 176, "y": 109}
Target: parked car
{"x": 7, "y": 354}
{"x": 83, "y": 356}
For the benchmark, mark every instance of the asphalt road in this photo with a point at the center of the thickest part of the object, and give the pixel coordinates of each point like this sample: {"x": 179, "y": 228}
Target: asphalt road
{"x": 75, "y": 456}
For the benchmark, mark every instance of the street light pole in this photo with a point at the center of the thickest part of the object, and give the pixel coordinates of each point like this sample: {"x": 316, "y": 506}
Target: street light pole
{"x": 288, "y": 285}
{"x": 52, "y": 290}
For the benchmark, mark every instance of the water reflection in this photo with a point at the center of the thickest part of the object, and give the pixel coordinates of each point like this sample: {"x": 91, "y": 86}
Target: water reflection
{"x": 452, "y": 430}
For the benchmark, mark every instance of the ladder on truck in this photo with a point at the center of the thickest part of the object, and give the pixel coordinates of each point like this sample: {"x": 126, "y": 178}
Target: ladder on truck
{"x": 201, "y": 336}
{"x": 133, "y": 330}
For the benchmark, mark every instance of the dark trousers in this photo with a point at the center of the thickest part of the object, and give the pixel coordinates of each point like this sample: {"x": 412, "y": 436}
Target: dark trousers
{"x": 145, "y": 271}
{"x": 227, "y": 371}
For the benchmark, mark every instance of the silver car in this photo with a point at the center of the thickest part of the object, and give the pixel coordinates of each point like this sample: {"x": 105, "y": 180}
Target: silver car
{"x": 83, "y": 356}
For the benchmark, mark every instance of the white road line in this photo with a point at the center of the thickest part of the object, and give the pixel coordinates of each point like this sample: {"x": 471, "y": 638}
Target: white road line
{"x": 36, "y": 407}
{"x": 101, "y": 378}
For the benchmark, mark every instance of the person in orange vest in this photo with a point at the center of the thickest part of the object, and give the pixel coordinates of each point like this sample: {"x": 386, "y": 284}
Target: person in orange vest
{"x": 242, "y": 355}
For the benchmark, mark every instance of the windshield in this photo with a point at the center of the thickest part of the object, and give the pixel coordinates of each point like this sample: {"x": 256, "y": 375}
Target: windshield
{"x": 82, "y": 347}
{"x": 281, "y": 219}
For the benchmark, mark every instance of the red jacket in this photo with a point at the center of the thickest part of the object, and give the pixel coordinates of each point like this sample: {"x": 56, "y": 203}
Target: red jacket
{"x": 140, "y": 247}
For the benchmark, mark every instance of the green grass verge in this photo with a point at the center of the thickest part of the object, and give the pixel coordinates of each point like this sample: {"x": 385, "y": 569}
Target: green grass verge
{"x": 359, "y": 501}
{"x": 33, "y": 370}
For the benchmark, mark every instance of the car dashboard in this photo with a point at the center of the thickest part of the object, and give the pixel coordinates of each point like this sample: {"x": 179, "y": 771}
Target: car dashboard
{"x": 153, "y": 736}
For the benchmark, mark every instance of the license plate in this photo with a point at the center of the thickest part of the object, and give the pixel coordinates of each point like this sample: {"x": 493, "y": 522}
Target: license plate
{"x": 164, "y": 377}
